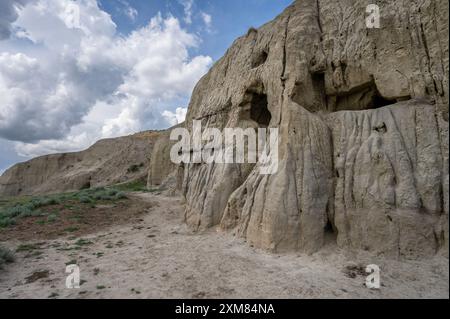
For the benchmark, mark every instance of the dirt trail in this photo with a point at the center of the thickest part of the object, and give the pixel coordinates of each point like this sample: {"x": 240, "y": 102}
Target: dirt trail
{"x": 157, "y": 256}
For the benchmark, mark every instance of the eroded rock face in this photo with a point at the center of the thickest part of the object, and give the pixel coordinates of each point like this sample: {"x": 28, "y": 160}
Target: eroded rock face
{"x": 363, "y": 120}
{"x": 389, "y": 175}
{"x": 107, "y": 162}
{"x": 161, "y": 166}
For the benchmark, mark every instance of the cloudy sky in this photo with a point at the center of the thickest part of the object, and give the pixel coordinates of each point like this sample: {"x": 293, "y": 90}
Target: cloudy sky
{"x": 75, "y": 71}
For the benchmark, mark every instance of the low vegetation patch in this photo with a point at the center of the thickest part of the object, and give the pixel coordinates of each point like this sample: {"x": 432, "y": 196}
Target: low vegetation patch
{"x": 6, "y": 256}
{"x": 135, "y": 186}
{"x": 72, "y": 215}
{"x": 11, "y": 211}
{"x": 27, "y": 247}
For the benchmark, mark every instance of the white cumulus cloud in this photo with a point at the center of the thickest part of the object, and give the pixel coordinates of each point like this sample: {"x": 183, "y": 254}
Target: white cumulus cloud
{"x": 175, "y": 118}
{"x": 128, "y": 10}
{"x": 8, "y": 14}
{"x": 188, "y": 10}
{"x": 71, "y": 82}
{"x": 207, "y": 19}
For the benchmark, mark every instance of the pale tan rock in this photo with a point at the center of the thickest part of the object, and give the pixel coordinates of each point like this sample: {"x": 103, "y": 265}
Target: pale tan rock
{"x": 107, "y": 162}
{"x": 160, "y": 164}
{"x": 363, "y": 120}
{"x": 389, "y": 174}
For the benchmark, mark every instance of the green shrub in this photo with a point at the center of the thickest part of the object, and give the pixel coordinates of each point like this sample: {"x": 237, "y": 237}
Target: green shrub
{"x": 27, "y": 213}
{"x": 52, "y": 218}
{"x": 101, "y": 196}
{"x": 43, "y": 201}
{"x": 71, "y": 229}
{"x": 37, "y": 213}
{"x": 85, "y": 199}
{"x": 135, "y": 186}
{"x": 7, "y": 221}
{"x": 120, "y": 195}
{"x": 53, "y": 201}
{"x": 71, "y": 262}
{"x": 15, "y": 211}
{"x": 105, "y": 194}
{"x": 6, "y": 256}
{"x": 111, "y": 192}
{"x": 31, "y": 213}
{"x": 27, "y": 247}
{"x": 83, "y": 242}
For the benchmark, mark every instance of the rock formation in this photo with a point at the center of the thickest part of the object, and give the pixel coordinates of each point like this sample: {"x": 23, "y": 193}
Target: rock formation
{"x": 162, "y": 171}
{"x": 363, "y": 121}
{"x": 107, "y": 162}
{"x": 362, "y": 115}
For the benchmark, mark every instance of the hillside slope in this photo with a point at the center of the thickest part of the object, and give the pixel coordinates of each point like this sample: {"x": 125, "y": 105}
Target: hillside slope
{"x": 107, "y": 162}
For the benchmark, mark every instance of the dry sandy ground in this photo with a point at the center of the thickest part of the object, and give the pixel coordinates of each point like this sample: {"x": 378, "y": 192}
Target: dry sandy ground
{"x": 156, "y": 256}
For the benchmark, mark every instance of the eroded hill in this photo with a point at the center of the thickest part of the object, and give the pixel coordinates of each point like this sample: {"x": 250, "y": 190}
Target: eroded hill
{"x": 107, "y": 162}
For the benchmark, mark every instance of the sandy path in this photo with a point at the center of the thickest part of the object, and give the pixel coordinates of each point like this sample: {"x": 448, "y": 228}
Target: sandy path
{"x": 158, "y": 257}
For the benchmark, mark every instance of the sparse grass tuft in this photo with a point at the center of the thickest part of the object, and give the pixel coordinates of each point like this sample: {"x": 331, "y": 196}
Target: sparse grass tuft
{"x": 83, "y": 242}
{"x": 27, "y": 247}
{"x": 71, "y": 262}
{"x": 53, "y": 295}
{"x": 135, "y": 186}
{"x": 120, "y": 195}
{"x": 7, "y": 221}
{"x": 6, "y": 256}
{"x": 71, "y": 229}
{"x": 52, "y": 218}
{"x": 85, "y": 199}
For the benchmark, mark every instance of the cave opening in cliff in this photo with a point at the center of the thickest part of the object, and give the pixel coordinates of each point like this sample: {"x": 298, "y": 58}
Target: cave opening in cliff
{"x": 255, "y": 106}
{"x": 365, "y": 97}
{"x": 259, "y": 111}
{"x": 312, "y": 98}
{"x": 259, "y": 59}
{"x": 379, "y": 101}
{"x": 330, "y": 232}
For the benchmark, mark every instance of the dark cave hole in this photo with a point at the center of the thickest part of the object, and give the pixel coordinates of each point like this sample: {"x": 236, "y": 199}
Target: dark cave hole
{"x": 329, "y": 228}
{"x": 86, "y": 185}
{"x": 319, "y": 85}
{"x": 330, "y": 232}
{"x": 255, "y": 106}
{"x": 363, "y": 98}
{"x": 379, "y": 101}
{"x": 259, "y": 111}
{"x": 259, "y": 59}
{"x": 319, "y": 101}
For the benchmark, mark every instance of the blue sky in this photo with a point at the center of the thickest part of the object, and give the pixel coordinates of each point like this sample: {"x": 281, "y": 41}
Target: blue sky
{"x": 231, "y": 18}
{"x": 124, "y": 66}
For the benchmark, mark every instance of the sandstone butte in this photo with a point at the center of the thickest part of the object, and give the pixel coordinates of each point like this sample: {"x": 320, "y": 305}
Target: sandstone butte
{"x": 363, "y": 122}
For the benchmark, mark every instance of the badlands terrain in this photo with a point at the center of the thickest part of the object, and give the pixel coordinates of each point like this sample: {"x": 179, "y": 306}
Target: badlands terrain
{"x": 363, "y": 176}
